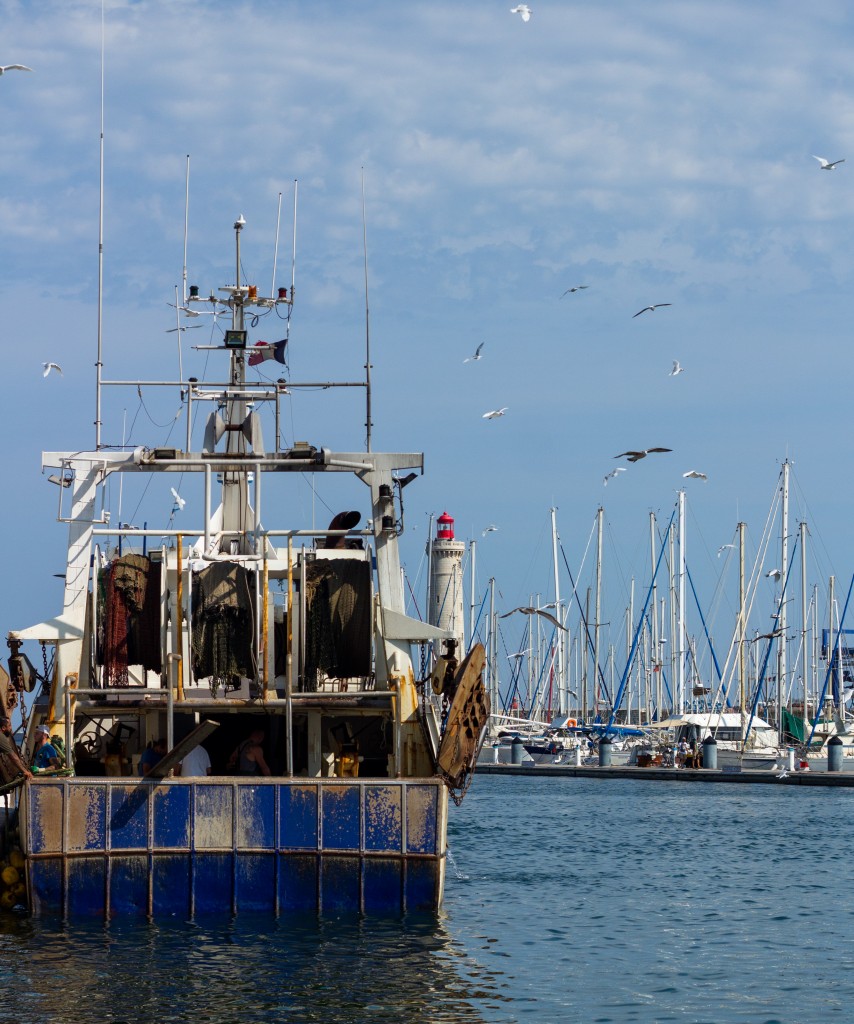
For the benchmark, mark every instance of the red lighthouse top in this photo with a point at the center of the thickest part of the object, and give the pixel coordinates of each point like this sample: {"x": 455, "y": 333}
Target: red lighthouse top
{"x": 445, "y": 525}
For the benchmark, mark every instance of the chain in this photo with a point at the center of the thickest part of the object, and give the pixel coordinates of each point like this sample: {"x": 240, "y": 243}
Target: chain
{"x": 44, "y": 661}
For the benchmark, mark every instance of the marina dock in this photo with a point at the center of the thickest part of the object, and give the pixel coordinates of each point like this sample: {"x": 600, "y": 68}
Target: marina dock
{"x": 764, "y": 776}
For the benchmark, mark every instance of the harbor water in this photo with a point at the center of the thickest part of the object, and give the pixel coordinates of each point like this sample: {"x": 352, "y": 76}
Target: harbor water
{"x": 566, "y": 900}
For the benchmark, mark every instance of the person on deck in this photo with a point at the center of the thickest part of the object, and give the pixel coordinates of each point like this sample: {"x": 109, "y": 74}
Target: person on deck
{"x": 44, "y": 754}
{"x": 248, "y": 758}
{"x": 152, "y": 755}
{"x": 11, "y": 765}
{"x": 196, "y": 763}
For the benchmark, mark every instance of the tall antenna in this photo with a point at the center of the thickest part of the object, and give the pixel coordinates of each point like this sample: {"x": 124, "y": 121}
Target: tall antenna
{"x": 294, "y": 255}
{"x": 99, "y": 363}
{"x": 186, "y": 230}
{"x": 276, "y": 246}
{"x": 368, "y": 423}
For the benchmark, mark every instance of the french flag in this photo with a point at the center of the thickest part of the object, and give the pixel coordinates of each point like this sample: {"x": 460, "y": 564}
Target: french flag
{"x": 268, "y": 350}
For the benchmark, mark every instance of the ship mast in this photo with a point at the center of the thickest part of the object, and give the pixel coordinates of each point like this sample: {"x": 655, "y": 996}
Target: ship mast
{"x": 235, "y": 482}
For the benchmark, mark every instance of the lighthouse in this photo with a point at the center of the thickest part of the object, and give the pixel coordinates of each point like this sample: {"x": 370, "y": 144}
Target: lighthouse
{"x": 445, "y": 608}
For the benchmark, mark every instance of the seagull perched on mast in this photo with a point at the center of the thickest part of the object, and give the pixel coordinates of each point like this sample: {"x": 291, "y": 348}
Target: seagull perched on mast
{"x": 476, "y": 356}
{"x": 493, "y": 414}
{"x": 522, "y": 9}
{"x": 827, "y": 165}
{"x": 650, "y": 309}
{"x": 637, "y": 456}
{"x": 13, "y": 67}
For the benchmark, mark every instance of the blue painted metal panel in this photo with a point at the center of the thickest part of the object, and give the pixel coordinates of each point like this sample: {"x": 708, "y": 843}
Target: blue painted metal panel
{"x": 213, "y": 883}
{"x": 340, "y": 884}
{"x": 341, "y": 817}
{"x": 45, "y": 817}
{"x": 170, "y": 885}
{"x": 129, "y": 886}
{"x": 422, "y": 884}
{"x": 256, "y": 818}
{"x": 298, "y": 817}
{"x": 128, "y": 819}
{"x": 45, "y": 884}
{"x": 421, "y": 819}
{"x": 383, "y": 819}
{"x": 181, "y": 848}
{"x": 86, "y": 879}
{"x": 255, "y": 881}
{"x": 298, "y": 882}
{"x": 87, "y": 818}
{"x": 171, "y": 813}
{"x": 382, "y": 885}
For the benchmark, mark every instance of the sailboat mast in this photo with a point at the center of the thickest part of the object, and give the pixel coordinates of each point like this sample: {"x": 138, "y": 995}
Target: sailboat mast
{"x": 742, "y": 621}
{"x": 656, "y": 647}
{"x": 680, "y": 628}
{"x": 803, "y": 531}
{"x": 472, "y": 595}
{"x": 599, "y": 518}
{"x": 782, "y": 668}
{"x": 561, "y": 682}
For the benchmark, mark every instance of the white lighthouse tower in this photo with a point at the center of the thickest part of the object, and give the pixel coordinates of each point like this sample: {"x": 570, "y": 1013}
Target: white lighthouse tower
{"x": 445, "y": 608}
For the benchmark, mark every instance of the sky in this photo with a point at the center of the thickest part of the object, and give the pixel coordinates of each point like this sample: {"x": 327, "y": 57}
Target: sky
{"x": 655, "y": 153}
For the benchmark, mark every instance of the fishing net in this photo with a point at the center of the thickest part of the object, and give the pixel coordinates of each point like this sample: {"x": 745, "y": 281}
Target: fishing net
{"x": 130, "y": 617}
{"x": 223, "y": 624}
{"x": 338, "y": 620}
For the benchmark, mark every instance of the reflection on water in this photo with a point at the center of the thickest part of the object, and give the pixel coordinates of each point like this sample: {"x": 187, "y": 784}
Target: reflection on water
{"x": 246, "y": 970}
{"x": 567, "y": 900}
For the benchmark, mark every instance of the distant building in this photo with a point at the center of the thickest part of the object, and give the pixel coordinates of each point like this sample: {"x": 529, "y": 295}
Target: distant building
{"x": 445, "y": 608}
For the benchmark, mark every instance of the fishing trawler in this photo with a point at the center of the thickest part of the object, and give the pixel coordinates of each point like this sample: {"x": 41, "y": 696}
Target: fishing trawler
{"x": 283, "y": 650}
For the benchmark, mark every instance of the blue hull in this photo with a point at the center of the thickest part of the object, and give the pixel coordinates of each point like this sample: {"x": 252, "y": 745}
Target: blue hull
{"x": 105, "y": 847}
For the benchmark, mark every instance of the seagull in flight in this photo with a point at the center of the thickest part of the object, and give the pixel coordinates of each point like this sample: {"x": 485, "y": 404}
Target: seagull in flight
{"x": 535, "y": 611}
{"x": 828, "y": 165}
{"x": 613, "y": 474}
{"x": 677, "y": 369}
{"x": 637, "y": 456}
{"x": 575, "y": 288}
{"x": 476, "y": 356}
{"x": 650, "y": 309}
{"x": 179, "y": 501}
{"x": 694, "y": 474}
{"x": 490, "y": 529}
{"x": 493, "y": 414}
{"x": 774, "y": 574}
{"x": 51, "y": 366}
{"x": 522, "y": 9}
{"x": 723, "y": 548}
{"x": 14, "y": 67}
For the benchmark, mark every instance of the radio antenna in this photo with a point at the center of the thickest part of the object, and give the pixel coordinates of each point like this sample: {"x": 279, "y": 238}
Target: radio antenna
{"x": 98, "y": 362}
{"x": 368, "y": 423}
{"x": 294, "y": 254}
{"x": 276, "y": 246}
{"x": 186, "y": 229}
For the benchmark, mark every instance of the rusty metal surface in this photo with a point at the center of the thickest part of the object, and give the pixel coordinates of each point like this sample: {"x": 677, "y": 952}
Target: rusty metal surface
{"x": 107, "y": 847}
{"x": 466, "y": 723}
